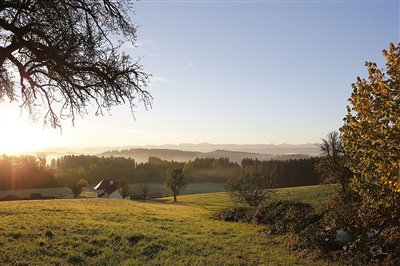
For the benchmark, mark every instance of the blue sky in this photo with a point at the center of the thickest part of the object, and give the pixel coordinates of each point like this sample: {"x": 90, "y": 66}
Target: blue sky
{"x": 242, "y": 72}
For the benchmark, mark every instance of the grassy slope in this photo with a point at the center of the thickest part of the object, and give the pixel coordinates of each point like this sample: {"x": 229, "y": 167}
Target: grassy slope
{"x": 192, "y": 188}
{"x": 110, "y": 232}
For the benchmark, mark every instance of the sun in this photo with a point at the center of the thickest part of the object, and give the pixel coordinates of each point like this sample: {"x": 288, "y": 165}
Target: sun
{"x": 17, "y": 134}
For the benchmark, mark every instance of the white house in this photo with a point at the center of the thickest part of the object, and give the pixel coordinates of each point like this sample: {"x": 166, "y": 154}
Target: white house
{"x": 107, "y": 188}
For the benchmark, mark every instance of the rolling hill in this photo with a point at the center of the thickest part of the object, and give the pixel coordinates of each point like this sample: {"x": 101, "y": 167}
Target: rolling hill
{"x": 124, "y": 232}
{"x": 187, "y": 151}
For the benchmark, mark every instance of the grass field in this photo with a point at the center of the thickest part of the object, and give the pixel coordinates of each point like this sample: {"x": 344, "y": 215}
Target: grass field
{"x": 192, "y": 188}
{"x": 124, "y": 232}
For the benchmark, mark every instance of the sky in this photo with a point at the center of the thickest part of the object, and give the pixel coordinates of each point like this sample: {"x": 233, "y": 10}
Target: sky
{"x": 243, "y": 72}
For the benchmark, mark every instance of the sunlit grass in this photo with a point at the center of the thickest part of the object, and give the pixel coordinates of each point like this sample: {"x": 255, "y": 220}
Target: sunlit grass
{"x": 61, "y": 192}
{"x": 123, "y": 232}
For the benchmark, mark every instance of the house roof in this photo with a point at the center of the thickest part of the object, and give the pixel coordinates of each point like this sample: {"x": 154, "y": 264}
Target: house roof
{"x": 111, "y": 188}
{"x": 104, "y": 184}
{"x": 108, "y": 190}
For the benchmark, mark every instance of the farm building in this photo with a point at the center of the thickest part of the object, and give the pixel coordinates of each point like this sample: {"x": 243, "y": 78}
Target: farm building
{"x": 107, "y": 188}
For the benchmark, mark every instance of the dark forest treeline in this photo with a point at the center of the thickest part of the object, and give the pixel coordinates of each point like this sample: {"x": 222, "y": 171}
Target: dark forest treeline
{"x": 290, "y": 173}
{"x": 94, "y": 168}
{"x": 142, "y": 155}
{"x": 24, "y": 172}
{"x": 31, "y": 172}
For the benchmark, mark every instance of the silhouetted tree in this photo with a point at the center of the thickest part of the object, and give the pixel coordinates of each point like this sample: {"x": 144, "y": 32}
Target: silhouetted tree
{"x": 76, "y": 187}
{"x": 175, "y": 181}
{"x": 333, "y": 163}
{"x": 64, "y": 57}
{"x": 41, "y": 157}
{"x": 250, "y": 186}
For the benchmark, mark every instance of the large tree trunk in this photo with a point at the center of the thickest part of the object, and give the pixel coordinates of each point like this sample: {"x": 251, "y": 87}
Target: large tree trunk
{"x": 174, "y": 197}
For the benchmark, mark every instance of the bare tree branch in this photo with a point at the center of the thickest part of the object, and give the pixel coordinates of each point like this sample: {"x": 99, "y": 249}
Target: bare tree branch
{"x": 63, "y": 55}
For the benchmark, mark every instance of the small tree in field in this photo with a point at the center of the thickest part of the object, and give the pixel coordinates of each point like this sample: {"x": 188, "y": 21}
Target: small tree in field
{"x": 250, "y": 186}
{"x": 332, "y": 164}
{"x": 175, "y": 181}
{"x": 76, "y": 187}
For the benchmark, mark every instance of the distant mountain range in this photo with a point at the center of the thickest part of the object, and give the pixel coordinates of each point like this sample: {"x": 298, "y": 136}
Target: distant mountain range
{"x": 187, "y": 151}
{"x": 236, "y": 153}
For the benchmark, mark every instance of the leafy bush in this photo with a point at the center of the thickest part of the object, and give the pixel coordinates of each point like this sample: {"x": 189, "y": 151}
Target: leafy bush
{"x": 283, "y": 215}
{"x": 369, "y": 211}
{"x": 76, "y": 186}
{"x": 288, "y": 216}
{"x": 371, "y": 136}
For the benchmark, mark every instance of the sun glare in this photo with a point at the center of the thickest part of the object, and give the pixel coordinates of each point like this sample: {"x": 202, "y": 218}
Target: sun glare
{"x": 18, "y": 135}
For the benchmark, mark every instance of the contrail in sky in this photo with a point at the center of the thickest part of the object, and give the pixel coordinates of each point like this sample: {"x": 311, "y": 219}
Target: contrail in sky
{"x": 190, "y": 62}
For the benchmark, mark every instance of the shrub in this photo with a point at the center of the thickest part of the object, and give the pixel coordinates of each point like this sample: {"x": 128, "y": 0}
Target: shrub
{"x": 284, "y": 216}
{"x": 287, "y": 216}
{"x": 251, "y": 186}
{"x": 371, "y": 135}
{"x": 76, "y": 186}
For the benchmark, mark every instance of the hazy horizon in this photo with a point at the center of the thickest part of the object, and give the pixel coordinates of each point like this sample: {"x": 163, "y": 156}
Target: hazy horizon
{"x": 267, "y": 148}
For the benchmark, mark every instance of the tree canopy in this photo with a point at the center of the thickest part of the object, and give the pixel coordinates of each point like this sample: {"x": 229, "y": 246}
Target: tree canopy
{"x": 175, "y": 181}
{"x": 371, "y": 134}
{"x": 57, "y": 56}
{"x": 76, "y": 187}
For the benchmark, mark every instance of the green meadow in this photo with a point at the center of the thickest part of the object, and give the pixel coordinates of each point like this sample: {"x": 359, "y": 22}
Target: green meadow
{"x": 158, "y": 232}
{"x": 191, "y": 188}
{"x": 61, "y": 192}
